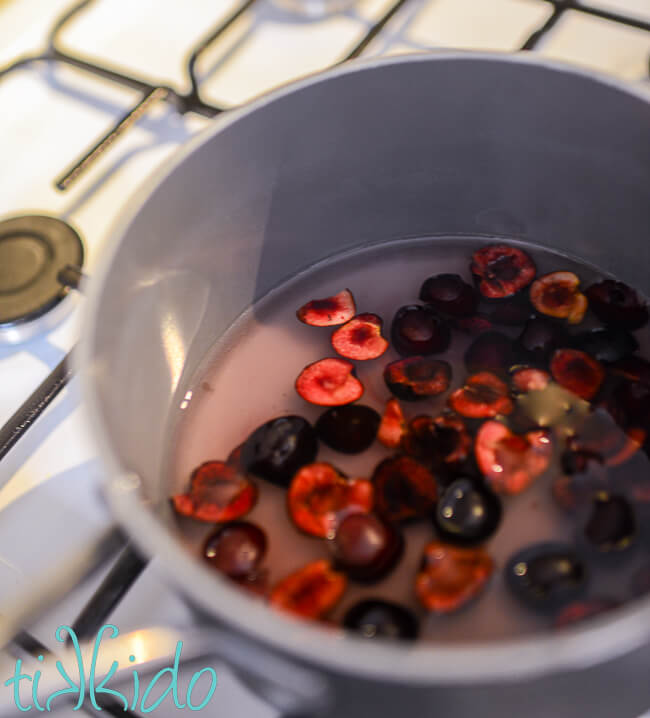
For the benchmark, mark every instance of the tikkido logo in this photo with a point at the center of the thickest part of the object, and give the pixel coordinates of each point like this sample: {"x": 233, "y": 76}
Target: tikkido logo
{"x": 93, "y": 688}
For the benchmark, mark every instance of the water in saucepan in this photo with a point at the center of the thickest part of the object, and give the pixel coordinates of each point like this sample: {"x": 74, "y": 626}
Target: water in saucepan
{"x": 597, "y": 458}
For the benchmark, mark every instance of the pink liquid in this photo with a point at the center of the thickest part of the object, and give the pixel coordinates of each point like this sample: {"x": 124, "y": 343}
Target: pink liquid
{"x": 248, "y": 378}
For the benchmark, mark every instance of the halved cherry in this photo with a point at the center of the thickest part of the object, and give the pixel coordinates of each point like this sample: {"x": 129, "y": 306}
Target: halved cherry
{"x": 451, "y": 576}
{"x": 449, "y": 294}
{"x": 527, "y": 379}
{"x": 404, "y": 489}
{"x": 502, "y": 271}
{"x": 217, "y": 493}
{"x": 310, "y": 592}
{"x": 328, "y": 312}
{"x": 417, "y": 330}
{"x": 510, "y": 462}
{"x": 437, "y": 441}
{"x": 491, "y": 351}
{"x": 417, "y": 377}
{"x": 393, "y": 425}
{"x": 616, "y": 304}
{"x": 577, "y": 372}
{"x": 582, "y": 610}
{"x": 367, "y": 547}
{"x": 236, "y": 549}
{"x": 557, "y": 295}
{"x": 360, "y": 338}
{"x": 319, "y": 497}
{"x": 329, "y": 382}
{"x": 483, "y": 396}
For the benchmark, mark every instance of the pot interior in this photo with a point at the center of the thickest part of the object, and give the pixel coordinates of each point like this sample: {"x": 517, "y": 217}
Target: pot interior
{"x": 437, "y": 145}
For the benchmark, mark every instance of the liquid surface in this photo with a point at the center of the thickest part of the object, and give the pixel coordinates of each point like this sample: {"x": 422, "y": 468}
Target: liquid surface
{"x": 249, "y": 376}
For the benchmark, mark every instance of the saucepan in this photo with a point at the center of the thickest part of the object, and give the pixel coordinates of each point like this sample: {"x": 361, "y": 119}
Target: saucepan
{"x": 444, "y": 143}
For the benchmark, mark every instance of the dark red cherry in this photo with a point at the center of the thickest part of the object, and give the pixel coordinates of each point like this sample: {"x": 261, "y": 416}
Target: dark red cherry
{"x": 328, "y": 312}
{"x": 473, "y": 325}
{"x": 438, "y": 442}
{"x": 539, "y": 339}
{"x": 450, "y": 295}
{"x": 416, "y": 378}
{"x": 366, "y": 547}
{"x": 583, "y": 610}
{"x": 278, "y": 448}
{"x": 320, "y": 497}
{"x": 606, "y": 345}
{"x": 501, "y": 271}
{"x": 546, "y": 576}
{"x": 578, "y": 372}
{"x": 451, "y": 576}
{"x": 513, "y": 312}
{"x": 349, "y": 429}
{"x": 374, "y": 618}
{"x": 612, "y": 524}
{"x": 404, "y": 489}
{"x": 418, "y": 330}
{"x": 491, "y": 351}
{"x": 236, "y": 549}
{"x": 218, "y": 493}
{"x": 616, "y": 304}
{"x": 310, "y": 592}
{"x": 467, "y": 513}
{"x": 329, "y": 382}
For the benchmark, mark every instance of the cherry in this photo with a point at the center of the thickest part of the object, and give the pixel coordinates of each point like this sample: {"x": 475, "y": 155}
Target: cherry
{"x": 583, "y": 479}
{"x": 310, "y": 592}
{"x": 508, "y": 312}
{"x": 393, "y": 425}
{"x": 360, "y": 338}
{"x": 557, "y": 295}
{"x": 527, "y": 379}
{"x": 328, "y": 312}
{"x": 467, "y": 513}
{"x": 417, "y": 378}
{"x": 616, "y": 304}
{"x": 366, "y": 547}
{"x": 404, "y": 489}
{"x": 236, "y": 549}
{"x": 539, "y": 339}
{"x": 319, "y": 497}
{"x": 373, "y": 618}
{"x": 546, "y": 576}
{"x": 329, "y": 382}
{"x": 578, "y": 372}
{"x": 450, "y": 295}
{"x": 502, "y": 271}
{"x": 278, "y": 448}
{"x": 510, "y": 462}
{"x": 217, "y": 493}
{"x": 606, "y": 345}
{"x": 451, "y": 576}
{"x": 349, "y": 429}
{"x": 491, "y": 351}
{"x": 437, "y": 441}
{"x": 612, "y": 524}
{"x": 483, "y": 396}
{"x": 473, "y": 325}
{"x": 583, "y": 610}
{"x": 418, "y": 330}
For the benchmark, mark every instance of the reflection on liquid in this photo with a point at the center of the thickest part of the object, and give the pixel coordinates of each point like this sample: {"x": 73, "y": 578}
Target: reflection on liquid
{"x": 173, "y": 346}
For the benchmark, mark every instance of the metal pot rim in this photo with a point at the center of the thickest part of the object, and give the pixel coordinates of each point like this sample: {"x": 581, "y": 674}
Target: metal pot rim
{"x": 425, "y": 663}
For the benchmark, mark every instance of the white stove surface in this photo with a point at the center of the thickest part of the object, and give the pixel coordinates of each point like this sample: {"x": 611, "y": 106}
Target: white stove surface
{"x": 51, "y": 114}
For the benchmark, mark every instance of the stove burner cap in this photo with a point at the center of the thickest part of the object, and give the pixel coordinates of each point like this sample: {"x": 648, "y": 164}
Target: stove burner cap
{"x": 33, "y": 250}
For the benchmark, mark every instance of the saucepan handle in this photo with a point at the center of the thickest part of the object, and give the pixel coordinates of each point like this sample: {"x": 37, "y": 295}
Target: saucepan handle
{"x": 293, "y": 690}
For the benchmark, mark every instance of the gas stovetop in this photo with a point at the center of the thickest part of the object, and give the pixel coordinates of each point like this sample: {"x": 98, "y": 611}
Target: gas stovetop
{"x": 94, "y": 97}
